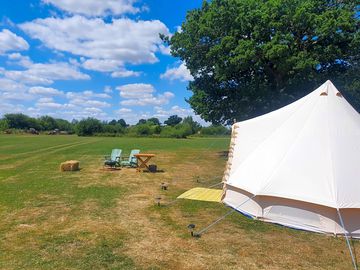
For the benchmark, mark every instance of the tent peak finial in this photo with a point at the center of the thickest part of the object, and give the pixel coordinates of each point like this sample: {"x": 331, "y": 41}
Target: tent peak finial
{"x": 329, "y": 88}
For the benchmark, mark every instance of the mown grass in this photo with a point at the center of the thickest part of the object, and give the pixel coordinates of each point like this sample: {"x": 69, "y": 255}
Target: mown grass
{"x": 108, "y": 219}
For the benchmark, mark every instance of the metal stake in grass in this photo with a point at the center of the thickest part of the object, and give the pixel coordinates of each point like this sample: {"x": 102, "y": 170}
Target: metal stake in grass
{"x": 164, "y": 186}
{"x": 197, "y": 179}
{"x": 157, "y": 200}
{"x": 191, "y": 228}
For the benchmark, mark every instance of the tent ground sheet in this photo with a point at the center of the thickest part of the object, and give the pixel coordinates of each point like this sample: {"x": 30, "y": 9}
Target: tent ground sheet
{"x": 202, "y": 194}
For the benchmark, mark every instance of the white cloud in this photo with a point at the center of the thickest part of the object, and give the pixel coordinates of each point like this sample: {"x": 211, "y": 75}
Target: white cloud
{"x": 165, "y": 49}
{"x": 122, "y": 40}
{"x": 178, "y": 73}
{"x": 20, "y": 60}
{"x": 136, "y": 90}
{"x": 78, "y": 105}
{"x": 75, "y": 62}
{"x": 91, "y": 94}
{"x": 164, "y": 114}
{"x": 65, "y": 111}
{"x": 108, "y": 65}
{"x": 124, "y": 110}
{"x": 153, "y": 100}
{"x": 11, "y": 42}
{"x": 123, "y": 73}
{"x": 79, "y": 113}
{"x": 6, "y": 107}
{"x": 12, "y": 90}
{"x": 131, "y": 116}
{"x": 96, "y": 7}
{"x": 46, "y": 73}
{"x": 140, "y": 94}
{"x": 45, "y": 100}
{"x": 103, "y": 65}
{"x": 45, "y": 91}
{"x": 14, "y": 56}
{"x": 108, "y": 89}
{"x": 27, "y": 77}
{"x": 93, "y": 103}
{"x": 49, "y": 103}
{"x": 86, "y": 95}
{"x": 15, "y": 96}
{"x": 179, "y": 29}
{"x": 93, "y": 110}
{"x": 7, "y": 85}
{"x": 86, "y": 99}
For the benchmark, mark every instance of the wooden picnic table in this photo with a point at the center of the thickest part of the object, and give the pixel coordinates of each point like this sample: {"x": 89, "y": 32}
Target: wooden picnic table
{"x": 144, "y": 159}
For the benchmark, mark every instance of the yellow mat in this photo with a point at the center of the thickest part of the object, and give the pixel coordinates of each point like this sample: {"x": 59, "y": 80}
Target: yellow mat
{"x": 202, "y": 194}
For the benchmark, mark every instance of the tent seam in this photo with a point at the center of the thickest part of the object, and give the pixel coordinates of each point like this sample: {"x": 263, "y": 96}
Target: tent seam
{"x": 289, "y": 149}
{"x": 272, "y": 133}
{"x": 331, "y": 161}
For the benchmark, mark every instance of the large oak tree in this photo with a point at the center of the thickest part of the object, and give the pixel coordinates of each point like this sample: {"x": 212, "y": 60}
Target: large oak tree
{"x": 249, "y": 57}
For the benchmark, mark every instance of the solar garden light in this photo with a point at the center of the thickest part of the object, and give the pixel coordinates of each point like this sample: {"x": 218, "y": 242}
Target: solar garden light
{"x": 191, "y": 228}
{"x": 164, "y": 186}
{"x": 157, "y": 200}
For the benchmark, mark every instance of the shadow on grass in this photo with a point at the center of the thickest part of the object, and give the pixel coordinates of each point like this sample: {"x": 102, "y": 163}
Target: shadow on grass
{"x": 157, "y": 171}
{"x": 223, "y": 154}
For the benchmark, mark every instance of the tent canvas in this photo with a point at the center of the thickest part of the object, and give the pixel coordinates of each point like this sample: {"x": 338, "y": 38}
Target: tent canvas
{"x": 299, "y": 166}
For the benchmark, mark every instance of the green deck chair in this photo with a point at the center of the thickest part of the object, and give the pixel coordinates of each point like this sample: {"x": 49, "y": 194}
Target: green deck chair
{"x": 131, "y": 161}
{"x": 114, "y": 159}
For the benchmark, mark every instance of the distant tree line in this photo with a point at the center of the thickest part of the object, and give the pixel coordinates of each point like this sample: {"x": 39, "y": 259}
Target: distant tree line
{"x": 173, "y": 127}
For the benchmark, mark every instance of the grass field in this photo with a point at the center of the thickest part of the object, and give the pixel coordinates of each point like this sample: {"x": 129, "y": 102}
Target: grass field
{"x": 107, "y": 219}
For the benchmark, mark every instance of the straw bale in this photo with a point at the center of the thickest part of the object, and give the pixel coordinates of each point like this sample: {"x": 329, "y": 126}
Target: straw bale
{"x": 70, "y": 165}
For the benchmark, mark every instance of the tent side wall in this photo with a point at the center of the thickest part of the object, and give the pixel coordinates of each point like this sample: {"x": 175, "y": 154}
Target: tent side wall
{"x": 293, "y": 213}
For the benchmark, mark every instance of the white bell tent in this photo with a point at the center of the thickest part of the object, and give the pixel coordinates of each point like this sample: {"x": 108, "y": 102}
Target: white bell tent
{"x": 299, "y": 166}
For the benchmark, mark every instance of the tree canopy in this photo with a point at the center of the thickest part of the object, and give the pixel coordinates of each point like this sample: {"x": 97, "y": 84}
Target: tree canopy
{"x": 173, "y": 120}
{"x": 195, "y": 126}
{"x": 44, "y": 123}
{"x": 249, "y": 57}
{"x": 154, "y": 121}
{"x": 88, "y": 127}
{"x": 22, "y": 121}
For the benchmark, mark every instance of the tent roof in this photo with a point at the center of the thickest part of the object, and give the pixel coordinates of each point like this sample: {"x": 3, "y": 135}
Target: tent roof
{"x": 307, "y": 151}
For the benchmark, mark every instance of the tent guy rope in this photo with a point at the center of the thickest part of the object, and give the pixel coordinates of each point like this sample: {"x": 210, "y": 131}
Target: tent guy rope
{"x": 199, "y": 233}
{"x": 347, "y": 240}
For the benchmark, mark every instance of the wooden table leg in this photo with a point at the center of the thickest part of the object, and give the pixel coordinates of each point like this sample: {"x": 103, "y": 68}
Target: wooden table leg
{"x": 143, "y": 163}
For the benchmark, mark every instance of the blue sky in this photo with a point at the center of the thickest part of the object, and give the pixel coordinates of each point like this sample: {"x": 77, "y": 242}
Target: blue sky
{"x": 103, "y": 59}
